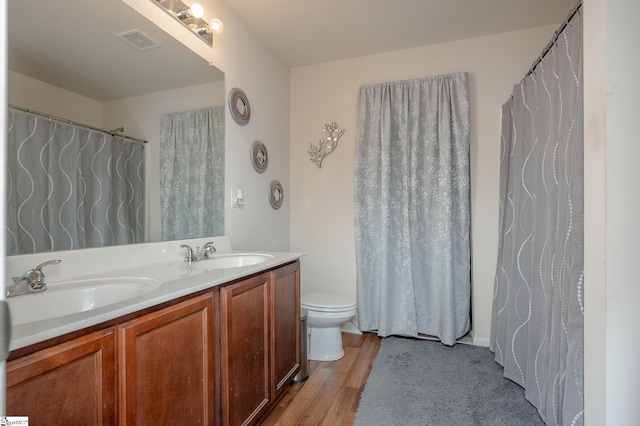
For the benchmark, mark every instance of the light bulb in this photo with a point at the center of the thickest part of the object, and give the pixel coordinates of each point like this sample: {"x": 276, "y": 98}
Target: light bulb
{"x": 196, "y": 10}
{"x": 215, "y": 26}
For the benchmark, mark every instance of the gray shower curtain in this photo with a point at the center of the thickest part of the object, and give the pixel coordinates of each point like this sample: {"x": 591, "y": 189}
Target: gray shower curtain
{"x": 69, "y": 187}
{"x": 192, "y": 173}
{"x": 412, "y": 217}
{"x": 538, "y": 310}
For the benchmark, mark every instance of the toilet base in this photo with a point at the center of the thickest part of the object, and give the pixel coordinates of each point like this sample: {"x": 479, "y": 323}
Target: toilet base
{"x": 325, "y": 344}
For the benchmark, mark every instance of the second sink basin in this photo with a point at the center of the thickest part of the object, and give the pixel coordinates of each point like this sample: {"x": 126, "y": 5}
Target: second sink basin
{"x": 225, "y": 261}
{"x": 77, "y": 296}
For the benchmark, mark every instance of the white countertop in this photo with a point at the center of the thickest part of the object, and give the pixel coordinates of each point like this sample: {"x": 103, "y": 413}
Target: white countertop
{"x": 176, "y": 282}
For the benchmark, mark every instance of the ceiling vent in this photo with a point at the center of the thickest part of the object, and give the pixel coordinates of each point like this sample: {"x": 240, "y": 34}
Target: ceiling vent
{"x": 138, "y": 39}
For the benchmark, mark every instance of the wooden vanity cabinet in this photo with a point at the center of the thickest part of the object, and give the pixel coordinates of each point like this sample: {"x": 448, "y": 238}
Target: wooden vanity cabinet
{"x": 220, "y": 357}
{"x": 260, "y": 346}
{"x": 73, "y": 383}
{"x": 167, "y": 365}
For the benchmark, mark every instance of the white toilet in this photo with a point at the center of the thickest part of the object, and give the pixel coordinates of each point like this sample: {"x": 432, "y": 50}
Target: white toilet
{"x": 325, "y": 314}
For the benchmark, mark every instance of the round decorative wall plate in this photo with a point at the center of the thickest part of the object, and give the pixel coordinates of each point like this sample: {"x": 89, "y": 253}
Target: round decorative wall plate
{"x": 276, "y": 194}
{"x": 259, "y": 157}
{"x": 239, "y": 106}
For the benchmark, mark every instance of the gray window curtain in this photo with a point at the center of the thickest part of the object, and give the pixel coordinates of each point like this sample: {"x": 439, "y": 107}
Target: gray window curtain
{"x": 412, "y": 216}
{"x": 537, "y": 322}
{"x": 70, "y": 187}
{"x": 192, "y": 173}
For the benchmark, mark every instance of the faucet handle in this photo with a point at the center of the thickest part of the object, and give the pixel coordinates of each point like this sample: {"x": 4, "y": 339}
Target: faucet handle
{"x": 189, "y": 257}
{"x": 35, "y": 277}
{"x": 209, "y": 247}
{"x": 48, "y": 262}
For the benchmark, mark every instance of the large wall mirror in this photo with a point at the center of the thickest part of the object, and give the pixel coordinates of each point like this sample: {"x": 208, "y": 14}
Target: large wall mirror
{"x": 76, "y": 59}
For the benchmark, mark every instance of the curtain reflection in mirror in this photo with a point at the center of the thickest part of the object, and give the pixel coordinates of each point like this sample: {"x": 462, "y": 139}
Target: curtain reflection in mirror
{"x": 71, "y": 187}
{"x": 192, "y": 173}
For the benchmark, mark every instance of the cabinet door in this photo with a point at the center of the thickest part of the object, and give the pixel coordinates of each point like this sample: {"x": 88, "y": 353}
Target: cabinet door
{"x": 285, "y": 326}
{"x": 73, "y": 383}
{"x": 245, "y": 354}
{"x": 166, "y": 366}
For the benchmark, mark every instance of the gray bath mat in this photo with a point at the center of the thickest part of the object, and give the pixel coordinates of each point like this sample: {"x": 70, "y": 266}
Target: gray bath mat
{"x": 416, "y": 382}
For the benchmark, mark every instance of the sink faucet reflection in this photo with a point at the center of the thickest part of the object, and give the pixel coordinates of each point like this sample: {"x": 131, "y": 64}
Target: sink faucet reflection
{"x": 200, "y": 252}
{"x": 31, "y": 281}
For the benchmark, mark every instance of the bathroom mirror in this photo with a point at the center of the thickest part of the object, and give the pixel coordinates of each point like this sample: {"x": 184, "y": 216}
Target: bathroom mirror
{"x": 69, "y": 50}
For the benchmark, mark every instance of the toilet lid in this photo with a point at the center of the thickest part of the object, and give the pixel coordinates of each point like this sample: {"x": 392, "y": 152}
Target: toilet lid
{"x": 327, "y": 301}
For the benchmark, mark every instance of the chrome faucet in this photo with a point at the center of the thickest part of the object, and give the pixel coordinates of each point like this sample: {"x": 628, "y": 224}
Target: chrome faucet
{"x": 31, "y": 281}
{"x": 200, "y": 253}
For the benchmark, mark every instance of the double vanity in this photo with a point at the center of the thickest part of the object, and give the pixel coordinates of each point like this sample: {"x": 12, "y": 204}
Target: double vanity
{"x": 141, "y": 336}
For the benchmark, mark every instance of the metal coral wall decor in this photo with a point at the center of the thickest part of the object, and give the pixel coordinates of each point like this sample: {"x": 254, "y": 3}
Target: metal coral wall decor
{"x": 327, "y": 144}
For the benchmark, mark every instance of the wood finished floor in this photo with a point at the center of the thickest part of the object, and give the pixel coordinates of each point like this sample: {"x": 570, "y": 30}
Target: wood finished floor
{"x": 331, "y": 394}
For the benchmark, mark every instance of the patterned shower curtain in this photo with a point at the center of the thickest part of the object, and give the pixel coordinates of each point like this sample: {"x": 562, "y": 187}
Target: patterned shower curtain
{"x": 70, "y": 187}
{"x": 192, "y": 173}
{"x": 412, "y": 219}
{"x": 538, "y": 311}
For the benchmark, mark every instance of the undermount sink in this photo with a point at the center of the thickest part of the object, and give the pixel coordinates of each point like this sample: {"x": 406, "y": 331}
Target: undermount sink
{"x": 77, "y": 296}
{"x": 225, "y": 261}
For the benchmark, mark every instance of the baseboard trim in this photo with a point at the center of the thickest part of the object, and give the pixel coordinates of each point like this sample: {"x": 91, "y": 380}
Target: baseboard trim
{"x": 485, "y": 343}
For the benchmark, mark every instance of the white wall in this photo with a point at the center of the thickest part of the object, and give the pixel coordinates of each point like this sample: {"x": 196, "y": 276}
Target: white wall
{"x": 322, "y": 199}
{"x": 250, "y": 66}
{"x": 612, "y": 202}
{"x": 595, "y": 247}
{"x": 36, "y": 95}
{"x": 623, "y": 205}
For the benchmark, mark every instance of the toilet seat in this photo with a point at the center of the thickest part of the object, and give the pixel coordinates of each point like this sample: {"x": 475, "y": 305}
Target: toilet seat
{"x": 324, "y": 302}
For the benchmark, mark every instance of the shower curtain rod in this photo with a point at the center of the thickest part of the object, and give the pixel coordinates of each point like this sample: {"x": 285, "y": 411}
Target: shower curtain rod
{"x": 555, "y": 37}
{"x": 75, "y": 123}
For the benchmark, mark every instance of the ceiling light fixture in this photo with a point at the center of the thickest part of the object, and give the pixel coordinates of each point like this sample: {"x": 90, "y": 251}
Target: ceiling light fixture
{"x": 193, "y": 18}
